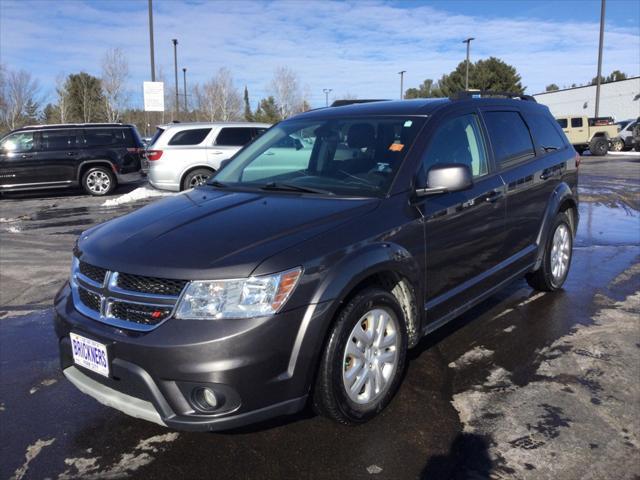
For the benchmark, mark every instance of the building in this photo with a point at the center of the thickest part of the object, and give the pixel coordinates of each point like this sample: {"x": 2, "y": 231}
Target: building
{"x": 620, "y": 100}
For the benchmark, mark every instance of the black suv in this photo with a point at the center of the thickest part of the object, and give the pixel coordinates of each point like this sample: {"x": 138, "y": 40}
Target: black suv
{"x": 304, "y": 274}
{"x": 96, "y": 156}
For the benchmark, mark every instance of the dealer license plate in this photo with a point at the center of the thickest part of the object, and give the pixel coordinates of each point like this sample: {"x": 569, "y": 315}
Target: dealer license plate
{"x": 90, "y": 354}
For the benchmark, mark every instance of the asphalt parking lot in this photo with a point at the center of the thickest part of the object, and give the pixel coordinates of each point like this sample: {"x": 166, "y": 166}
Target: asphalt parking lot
{"x": 526, "y": 385}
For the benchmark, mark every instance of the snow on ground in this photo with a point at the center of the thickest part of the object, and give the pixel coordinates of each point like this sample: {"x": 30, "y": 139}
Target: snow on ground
{"x": 138, "y": 194}
{"x": 630, "y": 153}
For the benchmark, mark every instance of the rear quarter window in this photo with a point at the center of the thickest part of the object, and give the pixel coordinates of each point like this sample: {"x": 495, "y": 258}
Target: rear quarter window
{"x": 106, "y": 137}
{"x": 193, "y": 136}
{"x": 510, "y": 137}
{"x": 547, "y": 135}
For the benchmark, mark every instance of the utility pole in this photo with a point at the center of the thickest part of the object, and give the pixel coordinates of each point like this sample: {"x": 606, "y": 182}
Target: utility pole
{"x": 153, "y": 61}
{"x": 602, "y": 8}
{"x": 401, "y": 73}
{"x": 184, "y": 78}
{"x": 466, "y": 77}
{"x": 175, "y": 69}
{"x": 327, "y": 91}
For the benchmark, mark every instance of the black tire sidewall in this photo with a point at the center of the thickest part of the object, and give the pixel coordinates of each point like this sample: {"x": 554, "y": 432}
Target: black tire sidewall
{"x": 362, "y": 303}
{"x": 193, "y": 173}
{"x": 112, "y": 181}
{"x": 561, "y": 218}
{"x": 600, "y": 147}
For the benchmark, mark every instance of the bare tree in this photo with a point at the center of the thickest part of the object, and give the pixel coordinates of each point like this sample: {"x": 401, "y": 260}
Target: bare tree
{"x": 285, "y": 88}
{"x": 218, "y": 99}
{"x": 63, "y": 97}
{"x": 20, "y": 93}
{"x": 115, "y": 72}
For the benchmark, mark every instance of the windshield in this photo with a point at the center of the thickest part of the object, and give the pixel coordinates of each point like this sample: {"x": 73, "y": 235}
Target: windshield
{"x": 341, "y": 156}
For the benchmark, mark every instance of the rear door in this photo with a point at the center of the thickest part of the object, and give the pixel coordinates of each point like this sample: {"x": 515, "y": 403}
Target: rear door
{"x": 18, "y": 160}
{"x": 530, "y": 169}
{"x": 59, "y": 154}
{"x": 228, "y": 141}
{"x": 464, "y": 230}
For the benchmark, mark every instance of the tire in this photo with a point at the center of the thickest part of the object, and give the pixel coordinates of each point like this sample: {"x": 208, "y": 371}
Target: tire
{"x": 373, "y": 382}
{"x": 580, "y": 150}
{"x": 98, "y": 181}
{"x": 196, "y": 177}
{"x": 617, "y": 145}
{"x": 551, "y": 275}
{"x": 599, "y": 146}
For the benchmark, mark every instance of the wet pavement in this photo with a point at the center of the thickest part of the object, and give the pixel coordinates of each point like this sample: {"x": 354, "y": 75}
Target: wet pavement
{"x": 526, "y": 385}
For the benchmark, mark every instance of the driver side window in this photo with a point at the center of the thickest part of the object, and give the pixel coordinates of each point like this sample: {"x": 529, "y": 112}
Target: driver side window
{"x": 18, "y": 142}
{"x": 459, "y": 140}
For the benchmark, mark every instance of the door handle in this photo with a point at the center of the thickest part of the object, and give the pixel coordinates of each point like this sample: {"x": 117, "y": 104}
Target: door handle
{"x": 216, "y": 153}
{"x": 494, "y": 196}
{"x": 71, "y": 154}
{"x": 24, "y": 155}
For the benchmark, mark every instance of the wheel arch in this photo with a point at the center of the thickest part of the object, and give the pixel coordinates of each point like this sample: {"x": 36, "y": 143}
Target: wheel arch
{"x": 86, "y": 165}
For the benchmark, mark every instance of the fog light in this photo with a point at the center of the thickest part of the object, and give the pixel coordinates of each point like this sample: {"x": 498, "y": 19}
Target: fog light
{"x": 205, "y": 398}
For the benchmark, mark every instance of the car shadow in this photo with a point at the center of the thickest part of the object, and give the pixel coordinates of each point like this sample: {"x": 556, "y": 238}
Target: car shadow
{"x": 67, "y": 192}
{"x": 468, "y": 458}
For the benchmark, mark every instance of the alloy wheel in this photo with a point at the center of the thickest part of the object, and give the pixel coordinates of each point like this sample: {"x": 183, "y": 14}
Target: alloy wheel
{"x": 98, "y": 182}
{"x": 560, "y": 253}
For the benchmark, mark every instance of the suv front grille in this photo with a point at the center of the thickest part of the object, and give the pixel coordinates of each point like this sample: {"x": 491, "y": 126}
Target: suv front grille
{"x": 153, "y": 285}
{"x": 94, "y": 273}
{"x": 123, "y": 300}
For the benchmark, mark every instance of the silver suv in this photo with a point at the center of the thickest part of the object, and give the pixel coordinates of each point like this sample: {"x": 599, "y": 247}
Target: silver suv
{"x": 184, "y": 155}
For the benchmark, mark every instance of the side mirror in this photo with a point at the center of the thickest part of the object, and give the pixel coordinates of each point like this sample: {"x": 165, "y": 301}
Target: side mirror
{"x": 446, "y": 177}
{"x": 224, "y": 163}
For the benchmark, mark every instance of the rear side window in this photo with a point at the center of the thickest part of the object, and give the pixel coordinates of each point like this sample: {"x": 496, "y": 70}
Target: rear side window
{"x": 562, "y": 122}
{"x": 190, "y": 137}
{"x": 545, "y": 132}
{"x": 105, "y": 137}
{"x": 576, "y": 122}
{"x": 51, "y": 140}
{"x": 234, "y": 137}
{"x": 510, "y": 137}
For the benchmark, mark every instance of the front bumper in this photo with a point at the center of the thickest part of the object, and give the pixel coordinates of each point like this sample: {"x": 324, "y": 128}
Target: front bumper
{"x": 248, "y": 362}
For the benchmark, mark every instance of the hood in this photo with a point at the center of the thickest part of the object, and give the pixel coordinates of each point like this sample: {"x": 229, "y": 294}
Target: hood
{"x": 212, "y": 234}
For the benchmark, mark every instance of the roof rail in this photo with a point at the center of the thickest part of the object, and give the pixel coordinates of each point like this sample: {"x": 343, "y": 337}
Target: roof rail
{"x": 342, "y": 103}
{"x": 470, "y": 94}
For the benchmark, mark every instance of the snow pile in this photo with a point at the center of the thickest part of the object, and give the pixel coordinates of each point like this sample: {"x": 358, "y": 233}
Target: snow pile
{"x": 135, "y": 195}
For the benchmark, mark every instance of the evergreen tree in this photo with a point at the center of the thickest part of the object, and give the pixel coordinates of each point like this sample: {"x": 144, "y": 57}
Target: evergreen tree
{"x": 85, "y": 97}
{"x": 551, "y": 88}
{"x": 267, "y": 111}
{"x": 248, "y": 114}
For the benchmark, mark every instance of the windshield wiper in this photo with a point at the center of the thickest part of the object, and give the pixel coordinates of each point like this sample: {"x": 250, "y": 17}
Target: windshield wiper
{"x": 216, "y": 183}
{"x": 288, "y": 187}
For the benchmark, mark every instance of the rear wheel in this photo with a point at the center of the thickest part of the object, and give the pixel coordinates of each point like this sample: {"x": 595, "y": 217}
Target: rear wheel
{"x": 98, "y": 181}
{"x": 196, "y": 177}
{"x": 363, "y": 360}
{"x": 557, "y": 257}
{"x": 599, "y": 146}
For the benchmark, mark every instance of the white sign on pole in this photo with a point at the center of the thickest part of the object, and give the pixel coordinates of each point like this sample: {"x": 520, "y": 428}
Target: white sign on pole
{"x": 153, "y": 96}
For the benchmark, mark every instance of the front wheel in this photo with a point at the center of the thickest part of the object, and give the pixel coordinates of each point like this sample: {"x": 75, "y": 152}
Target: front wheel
{"x": 557, "y": 257}
{"x": 98, "y": 181}
{"x": 363, "y": 360}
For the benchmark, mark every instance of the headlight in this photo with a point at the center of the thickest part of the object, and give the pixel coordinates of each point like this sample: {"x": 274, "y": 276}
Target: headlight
{"x": 243, "y": 298}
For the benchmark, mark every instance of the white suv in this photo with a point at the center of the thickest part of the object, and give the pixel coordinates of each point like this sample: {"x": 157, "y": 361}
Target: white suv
{"x": 184, "y": 155}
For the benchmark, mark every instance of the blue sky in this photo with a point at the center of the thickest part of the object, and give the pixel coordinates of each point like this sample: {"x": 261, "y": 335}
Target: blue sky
{"x": 352, "y": 47}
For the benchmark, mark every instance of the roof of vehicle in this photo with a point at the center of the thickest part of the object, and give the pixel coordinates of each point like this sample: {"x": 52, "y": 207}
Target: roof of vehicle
{"x": 212, "y": 124}
{"x": 414, "y": 107}
{"x": 73, "y": 125}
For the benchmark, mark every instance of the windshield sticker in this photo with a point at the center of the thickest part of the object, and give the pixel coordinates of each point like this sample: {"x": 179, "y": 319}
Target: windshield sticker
{"x": 396, "y": 147}
{"x": 408, "y": 123}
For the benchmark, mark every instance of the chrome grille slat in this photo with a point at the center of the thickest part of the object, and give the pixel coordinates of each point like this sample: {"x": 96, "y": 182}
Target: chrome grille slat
{"x": 101, "y": 296}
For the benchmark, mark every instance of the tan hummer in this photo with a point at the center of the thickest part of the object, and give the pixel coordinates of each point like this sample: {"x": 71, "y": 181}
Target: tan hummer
{"x": 585, "y": 133}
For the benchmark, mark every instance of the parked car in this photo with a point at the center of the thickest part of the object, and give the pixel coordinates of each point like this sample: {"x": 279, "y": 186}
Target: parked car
{"x": 625, "y": 136}
{"x": 95, "y": 156}
{"x": 301, "y": 275}
{"x": 185, "y": 155}
{"x": 585, "y": 133}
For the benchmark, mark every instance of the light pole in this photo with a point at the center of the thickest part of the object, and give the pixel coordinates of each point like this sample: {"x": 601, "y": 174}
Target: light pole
{"x": 602, "y": 8}
{"x": 175, "y": 69}
{"x": 327, "y": 91}
{"x": 184, "y": 84}
{"x": 401, "y": 73}
{"x": 153, "y": 62}
{"x": 466, "y": 77}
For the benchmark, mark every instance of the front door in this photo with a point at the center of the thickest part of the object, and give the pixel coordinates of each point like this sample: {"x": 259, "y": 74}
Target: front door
{"x": 18, "y": 160}
{"x": 465, "y": 230}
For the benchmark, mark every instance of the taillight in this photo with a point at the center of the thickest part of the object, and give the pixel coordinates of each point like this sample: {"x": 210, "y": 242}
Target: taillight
{"x": 577, "y": 159}
{"x": 154, "y": 155}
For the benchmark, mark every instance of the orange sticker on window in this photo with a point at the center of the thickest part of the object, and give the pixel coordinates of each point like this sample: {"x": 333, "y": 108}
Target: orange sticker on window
{"x": 396, "y": 147}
